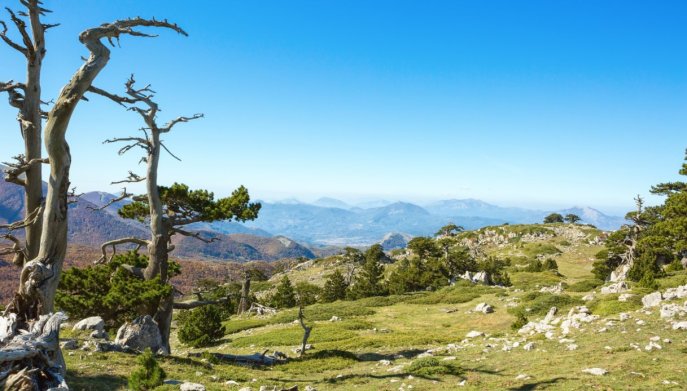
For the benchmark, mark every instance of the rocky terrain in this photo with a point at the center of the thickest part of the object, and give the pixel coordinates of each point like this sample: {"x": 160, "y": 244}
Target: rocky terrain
{"x": 577, "y": 333}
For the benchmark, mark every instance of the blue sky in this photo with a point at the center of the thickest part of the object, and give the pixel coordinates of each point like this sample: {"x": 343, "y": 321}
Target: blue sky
{"x": 529, "y": 103}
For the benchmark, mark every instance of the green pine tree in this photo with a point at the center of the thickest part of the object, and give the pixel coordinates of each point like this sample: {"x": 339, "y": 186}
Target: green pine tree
{"x": 368, "y": 281}
{"x": 285, "y": 296}
{"x": 148, "y": 375}
{"x": 335, "y": 287}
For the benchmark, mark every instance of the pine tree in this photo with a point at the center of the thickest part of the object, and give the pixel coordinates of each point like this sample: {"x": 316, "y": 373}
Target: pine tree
{"x": 285, "y": 296}
{"x": 335, "y": 287}
{"x": 201, "y": 326}
{"x": 148, "y": 375}
{"x": 368, "y": 281}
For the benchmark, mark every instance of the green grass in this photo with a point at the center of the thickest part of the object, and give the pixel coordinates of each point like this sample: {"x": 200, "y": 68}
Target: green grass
{"x": 539, "y": 303}
{"x": 585, "y": 285}
{"x": 608, "y": 305}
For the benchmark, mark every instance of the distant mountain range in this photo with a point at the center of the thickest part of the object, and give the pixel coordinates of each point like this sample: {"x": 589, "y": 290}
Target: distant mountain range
{"x": 281, "y": 226}
{"x": 333, "y": 222}
{"x": 91, "y": 227}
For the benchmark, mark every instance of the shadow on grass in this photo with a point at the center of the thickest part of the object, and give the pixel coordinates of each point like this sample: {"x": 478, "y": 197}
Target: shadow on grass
{"x": 94, "y": 383}
{"x": 537, "y": 385}
{"x": 391, "y": 356}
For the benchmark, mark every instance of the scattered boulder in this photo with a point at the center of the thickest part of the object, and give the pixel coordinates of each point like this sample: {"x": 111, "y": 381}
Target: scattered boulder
{"x": 191, "y": 387}
{"x": 576, "y": 317}
{"x": 335, "y": 319}
{"x": 680, "y": 326}
{"x": 529, "y": 346}
{"x": 669, "y": 310}
{"x": 679, "y": 292}
{"x": 618, "y": 287}
{"x": 523, "y": 376}
{"x": 595, "y": 371}
{"x": 623, "y": 316}
{"x": 484, "y": 308}
{"x": 555, "y": 289}
{"x": 652, "y": 299}
{"x": 99, "y": 334}
{"x": 231, "y": 383}
{"x": 93, "y": 323}
{"x": 140, "y": 334}
{"x": 588, "y": 297}
{"x": 474, "y": 334}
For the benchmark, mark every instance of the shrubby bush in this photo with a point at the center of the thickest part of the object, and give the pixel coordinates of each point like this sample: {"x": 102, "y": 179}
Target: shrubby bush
{"x": 201, "y": 326}
{"x": 148, "y": 375}
{"x": 111, "y": 291}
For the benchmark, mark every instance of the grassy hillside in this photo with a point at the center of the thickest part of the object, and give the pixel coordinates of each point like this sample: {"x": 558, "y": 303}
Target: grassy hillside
{"x": 418, "y": 341}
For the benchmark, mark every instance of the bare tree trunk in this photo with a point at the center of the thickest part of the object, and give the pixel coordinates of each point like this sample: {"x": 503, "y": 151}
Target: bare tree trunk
{"x": 245, "y": 292}
{"x": 40, "y": 276}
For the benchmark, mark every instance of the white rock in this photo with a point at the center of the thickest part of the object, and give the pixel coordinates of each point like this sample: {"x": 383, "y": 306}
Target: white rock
{"x": 529, "y": 346}
{"x": 680, "y": 325}
{"x": 335, "y": 319}
{"x": 572, "y": 346}
{"x": 640, "y": 322}
{"x": 655, "y": 338}
{"x": 191, "y": 387}
{"x": 92, "y": 323}
{"x": 623, "y": 316}
{"x": 618, "y": 287}
{"x": 246, "y": 389}
{"x": 522, "y": 376}
{"x": 310, "y": 388}
{"x": 652, "y": 300}
{"x": 595, "y": 371}
{"x": 385, "y": 363}
{"x": 675, "y": 293}
{"x": 669, "y": 310}
{"x": 484, "y": 308}
{"x": 474, "y": 334}
{"x": 652, "y": 346}
{"x": 231, "y": 383}
{"x": 588, "y": 297}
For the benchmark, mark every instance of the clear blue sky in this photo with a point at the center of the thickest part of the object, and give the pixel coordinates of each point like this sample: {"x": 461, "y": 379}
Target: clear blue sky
{"x": 530, "y": 103}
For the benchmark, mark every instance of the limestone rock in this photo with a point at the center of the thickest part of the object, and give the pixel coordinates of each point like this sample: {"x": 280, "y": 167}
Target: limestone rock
{"x": 618, "y": 287}
{"x": 652, "y": 299}
{"x": 140, "y": 334}
{"x": 484, "y": 308}
{"x": 191, "y": 387}
{"x": 595, "y": 371}
{"x": 529, "y": 346}
{"x": 669, "y": 310}
{"x": 680, "y": 326}
{"x": 92, "y": 323}
{"x": 474, "y": 334}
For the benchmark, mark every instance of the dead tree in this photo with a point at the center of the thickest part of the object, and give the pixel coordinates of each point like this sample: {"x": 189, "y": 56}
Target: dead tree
{"x": 166, "y": 209}
{"x": 245, "y": 294}
{"x": 306, "y": 331}
{"x": 26, "y": 98}
{"x": 34, "y": 300}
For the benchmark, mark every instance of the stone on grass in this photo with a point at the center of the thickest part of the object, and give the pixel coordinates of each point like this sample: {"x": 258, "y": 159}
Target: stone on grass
{"x": 652, "y": 300}
{"x": 618, "y": 287}
{"x": 140, "y": 334}
{"x": 680, "y": 325}
{"x": 529, "y": 346}
{"x": 92, "y": 323}
{"x": 191, "y": 387}
{"x": 474, "y": 334}
{"x": 669, "y": 310}
{"x": 595, "y": 371}
{"x": 484, "y": 308}
{"x": 69, "y": 344}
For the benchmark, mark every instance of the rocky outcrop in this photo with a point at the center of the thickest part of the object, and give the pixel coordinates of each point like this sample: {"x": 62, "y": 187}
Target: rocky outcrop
{"x": 139, "y": 335}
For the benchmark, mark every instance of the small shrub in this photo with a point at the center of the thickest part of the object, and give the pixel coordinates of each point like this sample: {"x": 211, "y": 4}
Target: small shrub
{"x": 520, "y": 320}
{"x": 540, "y": 303}
{"x": 431, "y": 366}
{"x": 585, "y": 285}
{"x": 201, "y": 326}
{"x": 550, "y": 264}
{"x": 148, "y": 375}
{"x": 675, "y": 266}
